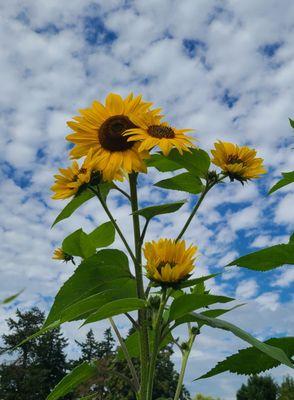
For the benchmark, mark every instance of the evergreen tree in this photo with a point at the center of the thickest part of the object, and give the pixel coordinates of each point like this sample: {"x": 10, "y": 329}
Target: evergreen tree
{"x": 286, "y": 389}
{"x": 258, "y": 388}
{"x": 36, "y": 366}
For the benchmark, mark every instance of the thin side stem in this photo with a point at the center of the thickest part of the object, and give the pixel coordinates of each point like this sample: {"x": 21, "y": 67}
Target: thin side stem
{"x": 194, "y": 211}
{"x": 185, "y": 358}
{"x": 126, "y": 354}
{"x": 122, "y": 191}
{"x": 117, "y": 228}
{"x": 144, "y": 231}
{"x": 142, "y": 314}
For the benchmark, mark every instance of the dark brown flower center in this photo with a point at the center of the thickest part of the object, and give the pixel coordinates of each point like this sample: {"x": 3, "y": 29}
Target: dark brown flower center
{"x": 111, "y": 133}
{"x": 161, "y": 131}
{"x": 234, "y": 159}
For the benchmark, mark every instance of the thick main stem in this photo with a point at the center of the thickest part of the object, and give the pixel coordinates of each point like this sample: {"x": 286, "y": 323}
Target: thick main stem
{"x": 142, "y": 315}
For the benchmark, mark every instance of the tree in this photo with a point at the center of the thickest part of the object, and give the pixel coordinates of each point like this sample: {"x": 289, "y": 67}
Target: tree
{"x": 37, "y": 365}
{"x": 258, "y": 388}
{"x": 200, "y": 396}
{"x": 92, "y": 349}
{"x": 286, "y": 389}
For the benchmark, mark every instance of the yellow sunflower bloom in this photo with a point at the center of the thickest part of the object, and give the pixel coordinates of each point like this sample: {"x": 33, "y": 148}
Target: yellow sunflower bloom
{"x": 169, "y": 261}
{"x": 73, "y": 178}
{"x": 101, "y": 128}
{"x": 238, "y": 162}
{"x": 59, "y": 254}
{"x": 152, "y": 132}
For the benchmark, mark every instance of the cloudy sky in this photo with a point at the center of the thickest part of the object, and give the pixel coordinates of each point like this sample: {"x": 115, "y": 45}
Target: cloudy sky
{"x": 224, "y": 68}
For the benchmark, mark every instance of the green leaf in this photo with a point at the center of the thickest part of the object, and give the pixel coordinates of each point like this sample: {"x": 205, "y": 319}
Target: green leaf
{"x": 189, "y": 302}
{"x": 268, "y": 258}
{"x": 78, "y": 375}
{"x": 251, "y": 360}
{"x": 116, "y": 307}
{"x": 150, "y": 212}
{"x": 74, "y": 204}
{"x": 291, "y": 122}
{"x": 288, "y": 177}
{"x": 102, "y": 236}
{"x": 271, "y": 351}
{"x": 196, "y": 162}
{"x": 161, "y": 163}
{"x": 78, "y": 244}
{"x": 291, "y": 240}
{"x": 209, "y": 313}
{"x": 196, "y": 281}
{"x": 81, "y": 309}
{"x": 185, "y": 182}
{"x": 11, "y": 298}
{"x": 91, "y": 396}
{"x": 105, "y": 266}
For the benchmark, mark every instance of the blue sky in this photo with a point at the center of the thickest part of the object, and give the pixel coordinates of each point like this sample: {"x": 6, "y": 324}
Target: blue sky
{"x": 224, "y": 68}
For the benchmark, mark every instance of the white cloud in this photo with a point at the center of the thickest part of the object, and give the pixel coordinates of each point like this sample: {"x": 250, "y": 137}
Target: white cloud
{"x": 268, "y": 301}
{"x": 285, "y": 210}
{"x": 246, "y": 289}
{"x": 285, "y": 278}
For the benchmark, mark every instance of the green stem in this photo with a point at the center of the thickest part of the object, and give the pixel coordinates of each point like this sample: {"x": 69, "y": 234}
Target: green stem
{"x": 142, "y": 314}
{"x": 122, "y": 191}
{"x": 126, "y": 354}
{"x": 156, "y": 343}
{"x": 117, "y": 228}
{"x": 185, "y": 358}
{"x": 194, "y": 211}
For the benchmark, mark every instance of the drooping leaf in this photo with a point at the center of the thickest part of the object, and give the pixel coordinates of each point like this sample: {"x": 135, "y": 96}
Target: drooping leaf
{"x": 11, "y": 298}
{"x": 288, "y": 177}
{"x": 105, "y": 266}
{"x": 268, "y": 258}
{"x": 271, "y": 351}
{"x": 161, "y": 163}
{"x": 74, "y": 204}
{"x": 116, "y": 307}
{"x": 150, "y": 212}
{"x": 102, "y": 236}
{"x": 251, "y": 360}
{"x": 189, "y": 302}
{"x": 185, "y": 182}
{"x": 82, "y": 373}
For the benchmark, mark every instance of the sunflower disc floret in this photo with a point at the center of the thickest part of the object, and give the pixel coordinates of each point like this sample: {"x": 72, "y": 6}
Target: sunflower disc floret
{"x": 168, "y": 261}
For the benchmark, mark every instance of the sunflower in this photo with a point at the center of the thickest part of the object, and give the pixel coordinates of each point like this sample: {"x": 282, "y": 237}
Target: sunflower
{"x": 59, "y": 254}
{"x": 152, "y": 132}
{"x": 101, "y": 128}
{"x": 238, "y": 162}
{"x": 169, "y": 261}
{"x": 73, "y": 178}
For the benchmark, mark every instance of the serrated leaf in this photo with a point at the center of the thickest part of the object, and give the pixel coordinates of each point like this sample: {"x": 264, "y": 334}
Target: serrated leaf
{"x": 268, "y": 258}
{"x": 105, "y": 266}
{"x": 161, "y": 163}
{"x": 73, "y": 205}
{"x": 185, "y": 182}
{"x": 251, "y": 360}
{"x": 271, "y": 351}
{"x": 11, "y": 298}
{"x": 189, "y": 302}
{"x": 103, "y": 236}
{"x": 288, "y": 178}
{"x": 150, "y": 212}
{"x": 78, "y": 375}
{"x": 116, "y": 307}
